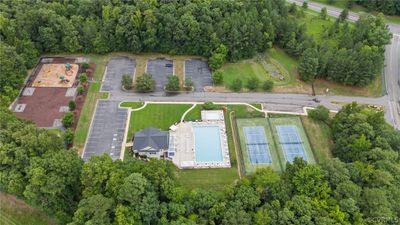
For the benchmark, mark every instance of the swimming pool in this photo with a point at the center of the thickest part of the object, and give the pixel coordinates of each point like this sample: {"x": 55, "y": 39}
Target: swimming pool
{"x": 207, "y": 141}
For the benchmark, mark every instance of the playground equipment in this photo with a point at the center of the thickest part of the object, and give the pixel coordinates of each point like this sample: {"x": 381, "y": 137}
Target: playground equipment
{"x": 63, "y": 79}
{"x": 68, "y": 70}
{"x": 67, "y": 66}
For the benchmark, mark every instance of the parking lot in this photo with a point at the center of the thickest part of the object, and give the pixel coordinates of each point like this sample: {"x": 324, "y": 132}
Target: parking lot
{"x": 117, "y": 67}
{"x": 106, "y": 131}
{"x": 199, "y": 72}
{"x": 160, "y": 69}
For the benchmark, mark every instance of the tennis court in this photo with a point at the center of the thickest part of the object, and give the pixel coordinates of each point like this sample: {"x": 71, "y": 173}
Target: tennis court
{"x": 291, "y": 139}
{"x": 291, "y": 142}
{"x": 257, "y": 145}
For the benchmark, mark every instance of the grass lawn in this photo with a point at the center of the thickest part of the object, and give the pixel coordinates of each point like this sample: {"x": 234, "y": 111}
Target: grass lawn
{"x": 209, "y": 179}
{"x": 285, "y": 63}
{"x": 243, "y": 70}
{"x": 14, "y": 211}
{"x": 243, "y": 111}
{"x": 338, "y": 3}
{"x": 320, "y": 137}
{"x": 156, "y": 115}
{"x": 133, "y": 105}
{"x": 93, "y": 95}
{"x": 317, "y": 26}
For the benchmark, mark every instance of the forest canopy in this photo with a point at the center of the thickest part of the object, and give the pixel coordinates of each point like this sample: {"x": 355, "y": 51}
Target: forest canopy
{"x": 360, "y": 186}
{"x": 241, "y": 28}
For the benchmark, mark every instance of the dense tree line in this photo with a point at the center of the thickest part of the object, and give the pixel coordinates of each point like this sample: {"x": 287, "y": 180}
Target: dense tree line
{"x": 388, "y": 7}
{"x": 220, "y": 30}
{"x": 353, "y": 55}
{"x": 361, "y": 186}
{"x": 29, "y": 28}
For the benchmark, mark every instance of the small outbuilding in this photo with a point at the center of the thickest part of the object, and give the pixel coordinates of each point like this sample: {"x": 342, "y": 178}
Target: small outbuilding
{"x": 150, "y": 142}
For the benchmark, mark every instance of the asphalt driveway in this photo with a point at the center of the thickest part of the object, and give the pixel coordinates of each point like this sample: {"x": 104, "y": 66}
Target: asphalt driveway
{"x": 106, "y": 131}
{"x": 199, "y": 72}
{"x": 160, "y": 69}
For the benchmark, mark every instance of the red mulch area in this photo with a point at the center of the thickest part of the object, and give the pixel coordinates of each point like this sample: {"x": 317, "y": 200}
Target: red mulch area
{"x": 43, "y": 106}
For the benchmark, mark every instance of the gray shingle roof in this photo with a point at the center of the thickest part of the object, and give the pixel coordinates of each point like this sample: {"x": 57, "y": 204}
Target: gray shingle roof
{"x": 151, "y": 140}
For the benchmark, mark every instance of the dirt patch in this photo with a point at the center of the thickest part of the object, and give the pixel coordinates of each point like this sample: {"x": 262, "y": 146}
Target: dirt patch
{"x": 12, "y": 201}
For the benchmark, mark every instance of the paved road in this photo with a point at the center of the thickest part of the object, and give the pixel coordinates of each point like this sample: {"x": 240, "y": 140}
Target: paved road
{"x": 392, "y": 61}
{"x": 273, "y": 101}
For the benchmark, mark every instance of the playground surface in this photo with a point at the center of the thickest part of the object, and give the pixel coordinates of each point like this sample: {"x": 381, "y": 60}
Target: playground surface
{"x": 56, "y": 75}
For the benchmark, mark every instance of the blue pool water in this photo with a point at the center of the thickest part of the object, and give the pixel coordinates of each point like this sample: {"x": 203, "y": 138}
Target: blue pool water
{"x": 207, "y": 144}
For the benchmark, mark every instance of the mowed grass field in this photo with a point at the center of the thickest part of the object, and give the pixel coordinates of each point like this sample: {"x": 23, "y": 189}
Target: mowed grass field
{"x": 243, "y": 70}
{"x": 295, "y": 121}
{"x": 14, "y": 211}
{"x": 320, "y": 136}
{"x": 273, "y": 153}
{"x": 160, "y": 116}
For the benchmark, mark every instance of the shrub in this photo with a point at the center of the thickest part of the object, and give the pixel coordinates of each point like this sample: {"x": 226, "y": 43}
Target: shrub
{"x": 209, "y": 106}
{"x": 173, "y": 83}
{"x": 268, "y": 85}
{"x": 217, "y": 77}
{"x": 126, "y": 81}
{"x": 218, "y": 57}
{"x": 253, "y": 83}
{"x": 188, "y": 83}
{"x": 82, "y": 77}
{"x": 80, "y": 89}
{"x": 237, "y": 85}
{"x": 68, "y": 136}
{"x": 68, "y": 119}
{"x": 145, "y": 83}
{"x": 320, "y": 113}
{"x": 71, "y": 105}
{"x": 85, "y": 65}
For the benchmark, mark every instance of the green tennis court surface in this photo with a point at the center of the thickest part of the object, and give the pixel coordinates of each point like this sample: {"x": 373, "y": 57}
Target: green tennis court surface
{"x": 272, "y": 142}
{"x": 291, "y": 139}
{"x": 250, "y": 159}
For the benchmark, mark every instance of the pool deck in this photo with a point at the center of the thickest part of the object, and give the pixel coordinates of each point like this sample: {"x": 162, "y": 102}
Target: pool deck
{"x": 185, "y": 156}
